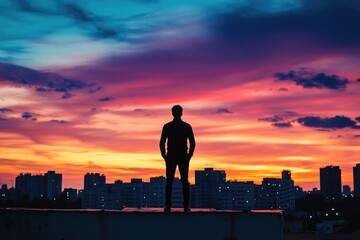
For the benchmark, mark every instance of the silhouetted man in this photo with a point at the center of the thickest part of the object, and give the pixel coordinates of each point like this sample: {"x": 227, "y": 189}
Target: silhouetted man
{"x": 176, "y": 135}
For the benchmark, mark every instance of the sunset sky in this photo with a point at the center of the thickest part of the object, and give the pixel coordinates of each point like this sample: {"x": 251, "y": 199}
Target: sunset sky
{"x": 86, "y": 86}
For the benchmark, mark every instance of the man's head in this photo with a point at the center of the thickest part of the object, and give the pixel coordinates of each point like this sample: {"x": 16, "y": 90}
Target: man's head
{"x": 177, "y": 111}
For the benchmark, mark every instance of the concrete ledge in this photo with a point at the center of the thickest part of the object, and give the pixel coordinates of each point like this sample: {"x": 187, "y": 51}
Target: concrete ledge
{"x": 136, "y": 224}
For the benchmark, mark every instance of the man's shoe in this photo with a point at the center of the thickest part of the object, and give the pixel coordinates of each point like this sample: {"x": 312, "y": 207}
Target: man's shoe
{"x": 167, "y": 209}
{"x": 187, "y": 209}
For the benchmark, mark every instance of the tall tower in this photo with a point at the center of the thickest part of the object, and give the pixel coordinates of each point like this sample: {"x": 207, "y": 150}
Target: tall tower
{"x": 93, "y": 181}
{"x": 207, "y": 183}
{"x": 286, "y": 175}
{"x": 330, "y": 183}
{"x": 356, "y": 175}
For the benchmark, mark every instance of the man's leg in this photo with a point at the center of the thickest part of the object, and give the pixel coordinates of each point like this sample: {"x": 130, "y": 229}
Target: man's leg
{"x": 184, "y": 175}
{"x": 170, "y": 174}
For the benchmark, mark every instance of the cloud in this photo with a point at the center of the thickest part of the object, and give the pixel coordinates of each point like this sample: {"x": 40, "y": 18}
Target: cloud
{"x": 279, "y": 120}
{"x": 356, "y": 136}
{"x": 275, "y": 119}
{"x": 283, "y": 89}
{"x": 106, "y": 99}
{"x": 336, "y": 122}
{"x": 282, "y": 124}
{"x": 335, "y": 21}
{"x": 67, "y": 95}
{"x": 308, "y": 79}
{"x": 358, "y": 80}
{"x": 290, "y": 114}
{"x": 28, "y": 115}
{"x": 27, "y": 7}
{"x": 222, "y": 110}
{"x": 99, "y": 27}
{"x": 42, "y": 81}
{"x": 95, "y": 90}
{"x": 58, "y": 121}
{"x": 79, "y": 14}
{"x": 5, "y": 110}
{"x": 357, "y": 119}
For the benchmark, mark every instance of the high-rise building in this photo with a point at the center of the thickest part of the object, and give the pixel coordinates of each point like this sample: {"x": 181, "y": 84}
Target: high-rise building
{"x": 71, "y": 194}
{"x": 299, "y": 192}
{"x": 346, "y": 191}
{"x": 286, "y": 175}
{"x": 356, "y": 176}
{"x": 94, "y": 180}
{"x": 38, "y": 186}
{"x": 53, "y": 184}
{"x": 276, "y": 193}
{"x": 103, "y": 196}
{"x": 156, "y": 197}
{"x": 207, "y": 184}
{"x": 236, "y": 196}
{"x": 330, "y": 183}
{"x": 7, "y": 195}
{"x": 134, "y": 193}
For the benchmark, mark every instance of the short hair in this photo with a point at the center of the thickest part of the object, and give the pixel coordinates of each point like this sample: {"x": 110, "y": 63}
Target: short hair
{"x": 177, "y": 111}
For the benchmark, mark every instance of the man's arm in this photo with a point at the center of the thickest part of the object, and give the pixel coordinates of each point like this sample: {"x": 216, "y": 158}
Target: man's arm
{"x": 162, "y": 142}
{"x": 192, "y": 142}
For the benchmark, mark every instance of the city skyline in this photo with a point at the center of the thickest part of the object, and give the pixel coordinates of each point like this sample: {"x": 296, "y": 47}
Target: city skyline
{"x": 90, "y": 177}
{"x": 211, "y": 190}
{"x": 86, "y": 86}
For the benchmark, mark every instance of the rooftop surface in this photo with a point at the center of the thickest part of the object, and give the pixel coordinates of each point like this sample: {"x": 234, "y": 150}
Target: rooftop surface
{"x": 134, "y": 224}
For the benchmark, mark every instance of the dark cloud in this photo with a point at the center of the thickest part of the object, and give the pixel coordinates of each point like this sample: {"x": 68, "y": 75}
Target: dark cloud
{"x": 358, "y": 80}
{"x": 28, "y": 115}
{"x": 79, "y": 14}
{"x": 275, "y": 119}
{"x": 327, "y": 22}
{"x": 41, "y": 89}
{"x": 67, "y": 95}
{"x": 356, "y": 136}
{"x": 283, "y": 89}
{"x": 106, "y": 99}
{"x": 98, "y": 27}
{"x": 222, "y": 110}
{"x": 5, "y": 110}
{"x": 58, "y": 121}
{"x": 357, "y": 119}
{"x": 94, "y": 90}
{"x": 290, "y": 114}
{"x": 281, "y": 121}
{"x": 25, "y": 6}
{"x": 43, "y": 81}
{"x": 282, "y": 124}
{"x": 336, "y": 122}
{"x": 308, "y": 79}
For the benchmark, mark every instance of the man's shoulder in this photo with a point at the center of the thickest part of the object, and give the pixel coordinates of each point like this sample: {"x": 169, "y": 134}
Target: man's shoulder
{"x": 176, "y": 123}
{"x": 167, "y": 124}
{"x": 187, "y": 124}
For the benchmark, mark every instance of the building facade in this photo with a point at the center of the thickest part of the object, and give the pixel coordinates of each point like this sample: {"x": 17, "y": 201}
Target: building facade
{"x": 356, "y": 179}
{"x": 30, "y": 186}
{"x": 207, "y": 184}
{"x": 330, "y": 183}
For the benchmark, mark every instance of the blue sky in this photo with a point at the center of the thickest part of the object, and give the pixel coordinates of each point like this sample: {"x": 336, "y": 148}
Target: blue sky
{"x": 50, "y": 33}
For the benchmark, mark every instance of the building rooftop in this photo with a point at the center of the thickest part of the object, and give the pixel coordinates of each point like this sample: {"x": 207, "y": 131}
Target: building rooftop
{"x": 144, "y": 223}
